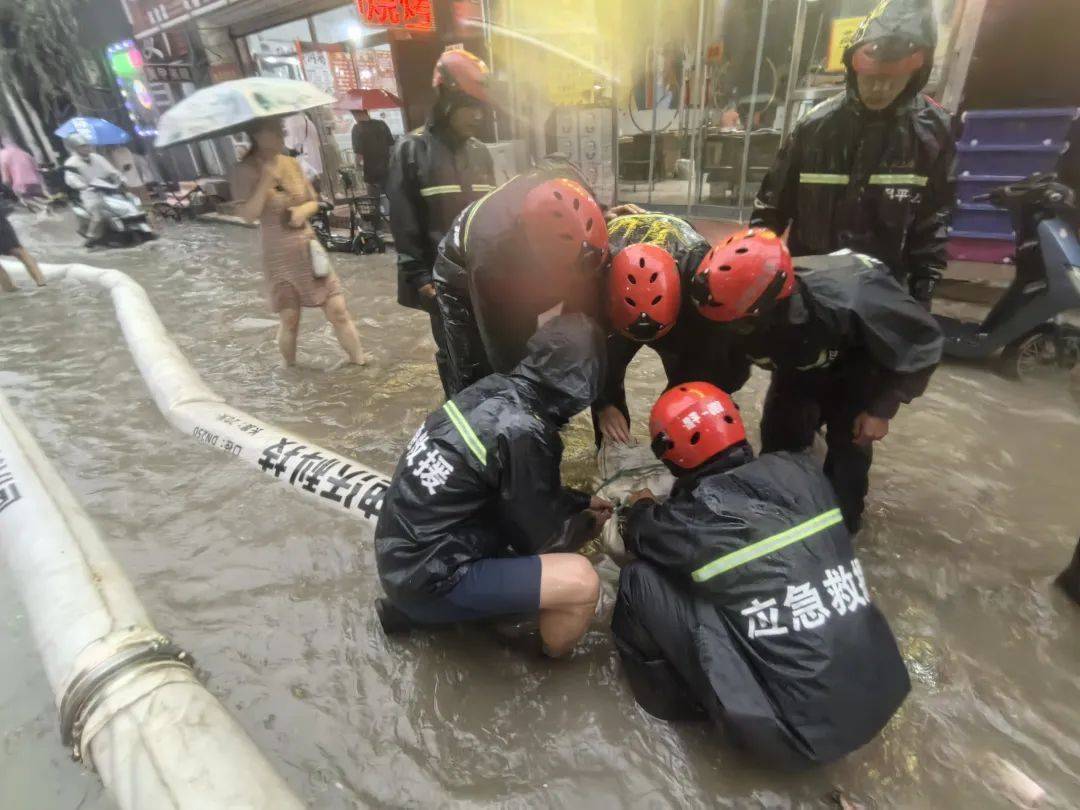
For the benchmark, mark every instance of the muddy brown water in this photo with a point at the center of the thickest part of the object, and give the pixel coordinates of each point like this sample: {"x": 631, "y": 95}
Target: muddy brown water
{"x": 974, "y": 509}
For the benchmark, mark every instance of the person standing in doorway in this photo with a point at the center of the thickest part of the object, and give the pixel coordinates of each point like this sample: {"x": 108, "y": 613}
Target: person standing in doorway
{"x": 434, "y": 173}
{"x": 871, "y": 169}
{"x": 271, "y": 187}
{"x": 371, "y": 142}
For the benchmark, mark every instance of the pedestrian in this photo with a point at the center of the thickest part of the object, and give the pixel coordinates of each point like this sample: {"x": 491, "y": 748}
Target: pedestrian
{"x": 476, "y": 523}
{"x": 434, "y": 173}
{"x": 846, "y": 344}
{"x": 271, "y": 187}
{"x": 83, "y": 169}
{"x": 872, "y": 169}
{"x": 19, "y": 170}
{"x": 532, "y": 249}
{"x": 654, "y": 257}
{"x": 10, "y": 246}
{"x": 746, "y": 605}
{"x": 371, "y": 142}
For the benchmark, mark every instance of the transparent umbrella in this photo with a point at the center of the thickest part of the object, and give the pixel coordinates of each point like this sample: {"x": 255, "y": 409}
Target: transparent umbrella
{"x": 229, "y": 107}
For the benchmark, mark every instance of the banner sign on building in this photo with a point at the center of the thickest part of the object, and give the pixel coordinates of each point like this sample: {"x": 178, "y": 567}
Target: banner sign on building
{"x": 414, "y": 15}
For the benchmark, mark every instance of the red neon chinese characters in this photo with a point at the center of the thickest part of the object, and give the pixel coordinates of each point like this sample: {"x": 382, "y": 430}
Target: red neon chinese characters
{"x": 415, "y": 15}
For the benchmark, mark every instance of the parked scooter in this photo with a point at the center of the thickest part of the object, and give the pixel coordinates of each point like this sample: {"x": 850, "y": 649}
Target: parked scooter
{"x": 364, "y": 217}
{"x": 125, "y": 217}
{"x": 1026, "y": 324}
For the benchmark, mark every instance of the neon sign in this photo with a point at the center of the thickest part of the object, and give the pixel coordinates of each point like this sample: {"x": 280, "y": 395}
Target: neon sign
{"x": 415, "y": 15}
{"x": 126, "y": 61}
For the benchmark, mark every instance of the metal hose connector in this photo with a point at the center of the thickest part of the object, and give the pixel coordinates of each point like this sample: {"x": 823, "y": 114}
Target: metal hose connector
{"x": 84, "y": 693}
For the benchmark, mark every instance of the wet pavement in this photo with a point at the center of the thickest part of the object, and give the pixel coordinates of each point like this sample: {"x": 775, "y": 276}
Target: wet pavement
{"x": 973, "y": 511}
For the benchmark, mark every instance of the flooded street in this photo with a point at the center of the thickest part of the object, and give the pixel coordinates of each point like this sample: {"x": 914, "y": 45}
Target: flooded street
{"x": 973, "y": 511}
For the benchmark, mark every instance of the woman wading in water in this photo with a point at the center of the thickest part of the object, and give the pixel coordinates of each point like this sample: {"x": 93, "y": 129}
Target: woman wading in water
{"x": 272, "y": 189}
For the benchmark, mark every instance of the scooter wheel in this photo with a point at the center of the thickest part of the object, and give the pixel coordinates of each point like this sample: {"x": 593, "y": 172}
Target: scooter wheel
{"x": 1033, "y": 356}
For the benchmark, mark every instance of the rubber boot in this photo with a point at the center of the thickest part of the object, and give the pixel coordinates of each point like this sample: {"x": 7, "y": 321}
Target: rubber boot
{"x": 1069, "y": 579}
{"x": 393, "y": 621}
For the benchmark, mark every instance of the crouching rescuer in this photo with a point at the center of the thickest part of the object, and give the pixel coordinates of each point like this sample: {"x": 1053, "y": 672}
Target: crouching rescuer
{"x": 476, "y": 523}
{"x": 746, "y": 605}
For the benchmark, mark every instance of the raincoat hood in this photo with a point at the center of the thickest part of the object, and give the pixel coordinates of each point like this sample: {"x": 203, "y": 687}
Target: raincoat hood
{"x": 912, "y": 20}
{"x": 564, "y": 366}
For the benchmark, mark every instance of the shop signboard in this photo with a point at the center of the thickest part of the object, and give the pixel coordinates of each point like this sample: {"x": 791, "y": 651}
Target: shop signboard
{"x": 328, "y": 67}
{"x": 376, "y": 69}
{"x": 843, "y": 29}
{"x": 168, "y": 73}
{"x": 413, "y": 15}
{"x": 126, "y": 61}
{"x": 331, "y": 69}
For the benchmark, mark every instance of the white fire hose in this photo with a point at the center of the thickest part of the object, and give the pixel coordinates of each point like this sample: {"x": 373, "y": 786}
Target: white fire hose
{"x": 130, "y": 704}
{"x": 193, "y": 409}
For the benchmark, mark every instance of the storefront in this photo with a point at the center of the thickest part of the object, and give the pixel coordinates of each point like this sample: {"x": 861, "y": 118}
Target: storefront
{"x": 686, "y": 103}
{"x": 333, "y": 50}
{"x": 365, "y": 44}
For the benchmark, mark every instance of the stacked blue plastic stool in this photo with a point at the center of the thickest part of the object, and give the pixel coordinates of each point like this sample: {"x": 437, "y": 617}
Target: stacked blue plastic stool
{"x": 999, "y": 147}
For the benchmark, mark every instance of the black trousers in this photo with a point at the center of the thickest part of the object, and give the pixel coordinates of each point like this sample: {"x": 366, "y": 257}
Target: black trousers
{"x": 798, "y": 403}
{"x": 442, "y": 357}
{"x": 661, "y": 632}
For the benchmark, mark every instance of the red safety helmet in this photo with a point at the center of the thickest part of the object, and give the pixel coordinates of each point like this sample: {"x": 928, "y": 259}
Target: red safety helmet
{"x": 890, "y": 56}
{"x": 744, "y": 276}
{"x": 644, "y": 292}
{"x": 692, "y": 422}
{"x": 462, "y": 72}
{"x": 565, "y": 227}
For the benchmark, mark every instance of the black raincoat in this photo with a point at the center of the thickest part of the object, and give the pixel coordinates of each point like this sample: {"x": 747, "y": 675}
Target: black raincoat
{"x": 481, "y": 476}
{"x": 877, "y": 182}
{"x": 695, "y": 349}
{"x": 849, "y": 340}
{"x": 490, "y": 295}
{"x": 849, "y": 312}
{"x": 433, "y": 175}
{"x": 747, "y": 606}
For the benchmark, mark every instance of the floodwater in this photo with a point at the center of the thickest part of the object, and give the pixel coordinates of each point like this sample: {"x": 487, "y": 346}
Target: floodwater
{"x": 974, "y": 509}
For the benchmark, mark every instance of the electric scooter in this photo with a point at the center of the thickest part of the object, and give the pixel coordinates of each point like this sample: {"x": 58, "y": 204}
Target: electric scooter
{"x": 125, "y": 217}
{"x": 1026, "y": 325}
{"x": 362, "y": 239}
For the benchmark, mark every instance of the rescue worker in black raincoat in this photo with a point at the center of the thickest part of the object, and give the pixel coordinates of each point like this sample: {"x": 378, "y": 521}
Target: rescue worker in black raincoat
{"x": 654, "y": 257}
{"x": 531, "y": 249}
{"x": 871, "y": 169}
{"x": 847, "y": 346}
{"x": 480, "y": 481}
{"x": 435, "y": 172}
{"x": 747, "y": 605}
